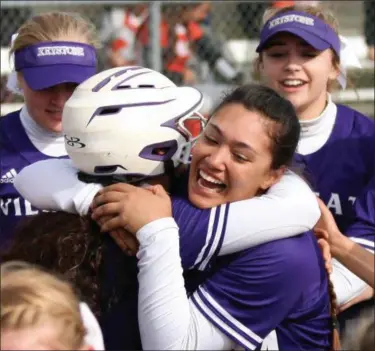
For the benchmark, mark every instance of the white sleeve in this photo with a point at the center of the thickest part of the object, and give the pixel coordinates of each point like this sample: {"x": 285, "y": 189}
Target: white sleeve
{"x": 346, "y": 284}
{"x": 53, "y": 185}
{"x": 288, "y": 208}
{"x": 94, "y": 335}
{"x": 168, "y": 320}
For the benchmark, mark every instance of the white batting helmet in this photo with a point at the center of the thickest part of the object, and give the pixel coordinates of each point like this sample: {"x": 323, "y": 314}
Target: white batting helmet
{"x": 129, "y": 121}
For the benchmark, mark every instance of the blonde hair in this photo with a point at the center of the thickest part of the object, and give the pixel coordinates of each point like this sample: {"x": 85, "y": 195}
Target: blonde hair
{"x": 31, "y": 297}
{"x": 316, "y": 11}
{"x": 53, "y": 26}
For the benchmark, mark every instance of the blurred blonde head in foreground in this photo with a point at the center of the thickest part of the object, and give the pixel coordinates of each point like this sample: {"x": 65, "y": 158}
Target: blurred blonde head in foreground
{"x": 38, "y": 311}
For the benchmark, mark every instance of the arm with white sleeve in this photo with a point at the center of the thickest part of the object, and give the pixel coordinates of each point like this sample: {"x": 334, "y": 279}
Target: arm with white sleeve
{"x": 170, "y": 320}
{"x": 287, "y": 209}
{"x": 160, "y": 239}
{"x": 54, "y": 185}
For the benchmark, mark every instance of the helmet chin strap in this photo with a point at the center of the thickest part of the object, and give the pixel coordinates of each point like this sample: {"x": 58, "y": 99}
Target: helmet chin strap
{"x": 112, "y": 179}
{"x": 169, "y": 170}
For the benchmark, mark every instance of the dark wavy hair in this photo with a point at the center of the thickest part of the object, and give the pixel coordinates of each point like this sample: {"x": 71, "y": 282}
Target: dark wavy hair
{"x": 65, "y": 244}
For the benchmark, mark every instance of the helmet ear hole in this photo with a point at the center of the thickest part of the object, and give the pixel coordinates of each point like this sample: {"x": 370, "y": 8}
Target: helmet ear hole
{"x": 105, "y": 169}
{"x": 108, "y": 169}
{"x": 160, "y": 151}
{"x": 109, "y": 111}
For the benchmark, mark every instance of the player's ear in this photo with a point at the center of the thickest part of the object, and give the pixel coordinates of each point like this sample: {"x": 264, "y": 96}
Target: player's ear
{"x": 272, "y": 178}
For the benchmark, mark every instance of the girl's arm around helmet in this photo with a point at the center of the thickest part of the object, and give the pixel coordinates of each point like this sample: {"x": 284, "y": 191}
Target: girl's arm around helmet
{"x": 189, "y": 323}
{"x": 286, "y": 209}
{"x": 38, "y": 184}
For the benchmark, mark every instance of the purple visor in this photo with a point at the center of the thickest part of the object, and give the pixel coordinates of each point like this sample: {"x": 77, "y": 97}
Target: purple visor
{"x": 46, "y": 64}
{"x": 311, "y": 29}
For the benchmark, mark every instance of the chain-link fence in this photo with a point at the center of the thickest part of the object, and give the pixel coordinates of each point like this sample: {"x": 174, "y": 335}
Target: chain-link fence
{"x": 209, "y": 43}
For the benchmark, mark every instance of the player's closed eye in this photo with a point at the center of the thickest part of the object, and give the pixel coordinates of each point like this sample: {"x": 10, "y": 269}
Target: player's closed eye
{"x": 209, "y": 139}
{"x": 310, "y": 53}
{"x": 240, "y": 158}
{"x": 276, "y": 54}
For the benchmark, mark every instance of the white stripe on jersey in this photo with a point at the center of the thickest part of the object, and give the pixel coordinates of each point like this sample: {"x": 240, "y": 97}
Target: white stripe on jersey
{"x": 218, "y": 235}
{"x": 211, "y": 222}
{"x": 226, "y": 316}
{"x": 364, "y": 242}
{"x": 217, "y": 215}
{"x": 216, "y": 320}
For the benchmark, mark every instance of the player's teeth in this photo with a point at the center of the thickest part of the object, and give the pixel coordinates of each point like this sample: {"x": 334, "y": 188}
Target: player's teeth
{"x": 208, "y": 178}
{"x": 293, "y": 82}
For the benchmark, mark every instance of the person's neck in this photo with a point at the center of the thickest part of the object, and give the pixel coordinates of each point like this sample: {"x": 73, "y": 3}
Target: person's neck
{"x": 313, "y": 111}
{"x": 47, "y": 142}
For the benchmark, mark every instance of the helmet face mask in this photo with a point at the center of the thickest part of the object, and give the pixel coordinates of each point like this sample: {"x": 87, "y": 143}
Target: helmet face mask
{"x": 142, "y": 127}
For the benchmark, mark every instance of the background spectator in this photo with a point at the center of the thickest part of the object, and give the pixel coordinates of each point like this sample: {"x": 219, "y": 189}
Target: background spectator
{"x": 119, "y": 31}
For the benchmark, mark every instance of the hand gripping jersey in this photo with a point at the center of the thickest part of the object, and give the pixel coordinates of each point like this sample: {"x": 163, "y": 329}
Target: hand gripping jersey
{"x": 16, "y": 152}
{"x": 341, "y": 169}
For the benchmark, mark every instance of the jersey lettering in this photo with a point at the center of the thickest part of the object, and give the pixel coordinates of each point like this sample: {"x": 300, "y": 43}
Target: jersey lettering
{"x": 5, "y": 206}
{"x": 270, "y": 342}
{"x": 17, "y": 207}
{"x": 352, "y": 199}
{"x": 335, "y": 202}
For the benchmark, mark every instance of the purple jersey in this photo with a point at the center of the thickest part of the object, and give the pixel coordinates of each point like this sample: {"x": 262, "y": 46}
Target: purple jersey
{"x": 201, "y": 236}
{"x": 341, "y": 169}
{"x": 260, "y": 308}
{"x": 201, "y": 232}
{"x": 362, "y": 230}
{"x": 16, "y": 152}
{"x": 270, "y": 297}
